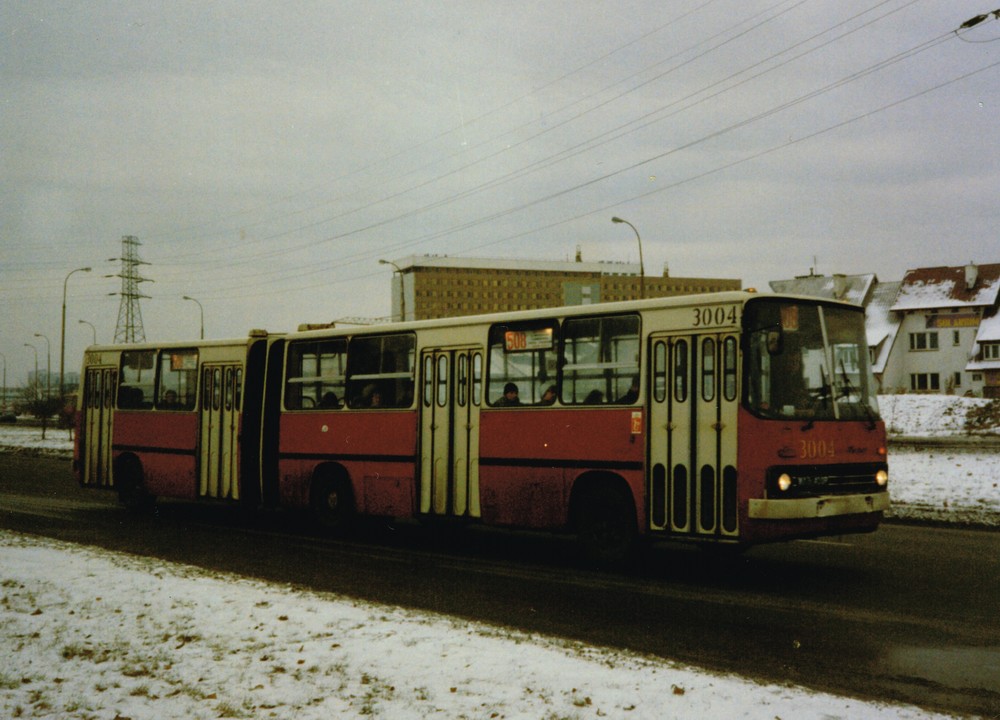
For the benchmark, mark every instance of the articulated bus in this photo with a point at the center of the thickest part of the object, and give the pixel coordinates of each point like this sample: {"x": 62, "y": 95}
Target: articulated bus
{"x": 732, "y": 418}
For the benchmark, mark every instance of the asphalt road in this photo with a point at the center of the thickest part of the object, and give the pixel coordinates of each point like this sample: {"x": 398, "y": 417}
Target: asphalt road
{"x": 909, "y": 613}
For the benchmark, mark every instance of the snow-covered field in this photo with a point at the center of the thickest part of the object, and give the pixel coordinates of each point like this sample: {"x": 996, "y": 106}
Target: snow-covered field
{"x": 96, "y": 635}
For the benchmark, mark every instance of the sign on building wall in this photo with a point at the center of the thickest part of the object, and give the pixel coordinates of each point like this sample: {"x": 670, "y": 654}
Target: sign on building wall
{"x": 942, "y": 322}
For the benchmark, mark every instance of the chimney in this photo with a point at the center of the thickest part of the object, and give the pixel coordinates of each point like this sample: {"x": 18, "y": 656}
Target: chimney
{"x": 579, "y": 254}
{"x": 839, "y": 286}
{"x": 971, "y": 275}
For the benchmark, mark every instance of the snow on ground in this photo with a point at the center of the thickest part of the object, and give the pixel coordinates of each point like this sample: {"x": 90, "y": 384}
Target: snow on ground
{"x": 96, "y": 635}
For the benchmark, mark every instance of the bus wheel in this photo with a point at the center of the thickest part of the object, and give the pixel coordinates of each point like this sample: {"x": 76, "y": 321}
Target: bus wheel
{"x": 332, "y": 504}
{"x": 605, "y": 525}
{"x": 132, "y": 488}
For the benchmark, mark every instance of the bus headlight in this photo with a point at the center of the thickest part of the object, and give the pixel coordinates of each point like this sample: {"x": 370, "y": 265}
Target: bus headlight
{"x": 784, "y": 481}
{"x": 881, "y": 478}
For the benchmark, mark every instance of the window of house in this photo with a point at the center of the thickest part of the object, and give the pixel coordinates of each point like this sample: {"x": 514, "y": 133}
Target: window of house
{"x": 925, "y": 381}
{"x": 924, "y": 341}
{"x": 991, "y": 351}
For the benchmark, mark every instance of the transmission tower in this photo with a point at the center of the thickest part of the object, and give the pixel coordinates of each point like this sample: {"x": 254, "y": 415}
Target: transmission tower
{"x": 129, "y": 328}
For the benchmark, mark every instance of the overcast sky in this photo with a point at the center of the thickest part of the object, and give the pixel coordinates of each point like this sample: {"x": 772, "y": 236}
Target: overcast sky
{"x": 267, "y": 155}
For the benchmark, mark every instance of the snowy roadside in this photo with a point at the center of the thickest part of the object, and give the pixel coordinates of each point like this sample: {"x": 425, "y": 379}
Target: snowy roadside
{"x": 96, "y": 635}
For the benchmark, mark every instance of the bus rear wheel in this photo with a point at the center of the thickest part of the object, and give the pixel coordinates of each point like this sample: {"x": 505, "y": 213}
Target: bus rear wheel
{"x": 332, "y": 504}
{"x": 605, "y": 526}
{"x": 132, "y": 491}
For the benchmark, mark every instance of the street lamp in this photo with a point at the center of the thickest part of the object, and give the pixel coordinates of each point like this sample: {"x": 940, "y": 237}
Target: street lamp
{"x": 48, "y": 365}
{"x": 402, "y": 291}
{"x": 36, "y": 367}
{"x": 642, "y": 268}
{"x": 201, "y": 313}
{"x": 92, "y": 329}
{"x": 62, "y": 335}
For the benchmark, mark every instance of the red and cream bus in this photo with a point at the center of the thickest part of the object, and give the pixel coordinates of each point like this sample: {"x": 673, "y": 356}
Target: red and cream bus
{"x": 734, "y": 418}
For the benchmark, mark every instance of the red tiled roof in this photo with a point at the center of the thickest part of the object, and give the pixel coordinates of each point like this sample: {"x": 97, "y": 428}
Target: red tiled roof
{"x": 945, "y": 287}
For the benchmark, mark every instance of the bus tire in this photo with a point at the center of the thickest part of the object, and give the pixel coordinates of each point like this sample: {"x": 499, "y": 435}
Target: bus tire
{"x": 605, "y": 525}
{"x": 332, "y": 503}
{"x": 130, "y": 481}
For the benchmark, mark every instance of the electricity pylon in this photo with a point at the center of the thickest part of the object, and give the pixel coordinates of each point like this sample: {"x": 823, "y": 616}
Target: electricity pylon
{"x": 129, "y": 328}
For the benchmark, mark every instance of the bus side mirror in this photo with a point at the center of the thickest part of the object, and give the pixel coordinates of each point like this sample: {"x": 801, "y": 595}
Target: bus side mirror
{"x": 775, "y": 342}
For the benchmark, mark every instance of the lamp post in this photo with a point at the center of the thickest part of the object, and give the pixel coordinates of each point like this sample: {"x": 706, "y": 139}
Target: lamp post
{"x": 62, "y": 335}
{"x": 402, "y": 291}
{"x": 3, "y": 403}
{"x": 642, "y": 268}
{"x": 201, "y": 313}
{"x": 92, "y": 330}
{"x": 48, "y": 365}
{"x": 36, "y": 367}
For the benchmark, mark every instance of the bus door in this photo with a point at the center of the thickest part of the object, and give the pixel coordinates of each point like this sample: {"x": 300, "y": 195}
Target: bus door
{"x": 449, "y": 431}
{"x": 692, "y": 434}
{"x": 98, "y": 405}
{"x": 220, "y": 425}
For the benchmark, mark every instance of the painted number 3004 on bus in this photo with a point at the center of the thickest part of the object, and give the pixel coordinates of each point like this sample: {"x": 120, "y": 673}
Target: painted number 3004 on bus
{"x": 730, "y": 418}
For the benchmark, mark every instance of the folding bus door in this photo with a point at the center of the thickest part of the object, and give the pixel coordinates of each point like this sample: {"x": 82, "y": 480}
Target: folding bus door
{"x": 692, "y": 434}
{"x": 220, "y": 424}
{"x": 449, "y": 431}
{"x": 98, "y": 421}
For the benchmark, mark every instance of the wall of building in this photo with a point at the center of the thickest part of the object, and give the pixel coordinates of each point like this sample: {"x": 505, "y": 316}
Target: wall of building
{"x": 434, "y": 292}
{"x": 956, "y": 334}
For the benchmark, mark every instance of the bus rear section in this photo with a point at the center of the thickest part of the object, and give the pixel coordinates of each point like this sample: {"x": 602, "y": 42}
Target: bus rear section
{"x": 166, "y": 421}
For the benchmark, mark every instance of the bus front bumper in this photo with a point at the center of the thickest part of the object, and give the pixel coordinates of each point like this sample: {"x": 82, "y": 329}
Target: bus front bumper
{"x": 818, "y": 507}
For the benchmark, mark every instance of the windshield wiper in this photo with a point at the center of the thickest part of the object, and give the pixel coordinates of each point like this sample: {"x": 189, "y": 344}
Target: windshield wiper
{"x": 849, "y": 389}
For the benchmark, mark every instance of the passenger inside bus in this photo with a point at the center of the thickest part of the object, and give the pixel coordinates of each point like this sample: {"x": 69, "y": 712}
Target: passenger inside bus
{"x": 330, "y": 401}
{"x": 510, "y": 396}
{"x": 632, "y": 395}
{"x": 550, "y": 395}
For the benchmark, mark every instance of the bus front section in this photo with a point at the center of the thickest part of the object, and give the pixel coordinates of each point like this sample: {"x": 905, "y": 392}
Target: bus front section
{"x": 812, "y": 447}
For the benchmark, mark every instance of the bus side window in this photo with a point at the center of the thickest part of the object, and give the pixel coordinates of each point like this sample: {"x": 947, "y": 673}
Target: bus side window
{"x": 178, "y": 380}
{"x": 315, "y": 374}
{"x": 522, "y": 356}
{"x": 600, "y": 360}
{"x": 380, "y": 371}
{"x": 138, "y": 369}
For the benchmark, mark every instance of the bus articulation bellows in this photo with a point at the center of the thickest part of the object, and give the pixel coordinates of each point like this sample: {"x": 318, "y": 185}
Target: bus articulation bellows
{"x": 730, "y": 418}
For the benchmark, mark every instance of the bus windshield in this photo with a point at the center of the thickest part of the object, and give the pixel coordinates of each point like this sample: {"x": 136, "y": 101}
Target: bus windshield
{"x": 808, "y": 361}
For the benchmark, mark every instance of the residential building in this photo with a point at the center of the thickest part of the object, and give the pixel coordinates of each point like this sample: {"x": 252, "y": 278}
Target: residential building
{"x": 434, "y": 286}
{"x": 948, "y": 330}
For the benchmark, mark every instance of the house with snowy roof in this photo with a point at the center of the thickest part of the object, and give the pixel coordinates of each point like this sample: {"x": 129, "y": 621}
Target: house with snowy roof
{"x": 949, "y": 331}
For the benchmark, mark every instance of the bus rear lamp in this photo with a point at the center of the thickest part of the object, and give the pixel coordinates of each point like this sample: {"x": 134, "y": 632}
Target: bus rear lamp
{"x": 784, "y": 481}
{"x": 882, "y": 478}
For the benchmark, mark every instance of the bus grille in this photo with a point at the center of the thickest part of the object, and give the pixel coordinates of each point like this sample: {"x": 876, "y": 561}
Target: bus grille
{"x": 817, "y": 480}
